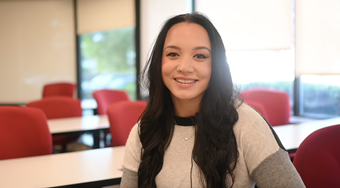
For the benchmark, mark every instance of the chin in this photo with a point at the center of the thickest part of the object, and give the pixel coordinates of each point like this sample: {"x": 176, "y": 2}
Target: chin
{"x": 186, "y": 96}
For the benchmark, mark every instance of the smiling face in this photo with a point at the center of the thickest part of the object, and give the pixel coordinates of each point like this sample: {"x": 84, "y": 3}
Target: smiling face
{"x": 186, "y": 62}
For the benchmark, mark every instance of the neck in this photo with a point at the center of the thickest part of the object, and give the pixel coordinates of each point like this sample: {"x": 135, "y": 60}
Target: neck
{"x": 186, "y": 108}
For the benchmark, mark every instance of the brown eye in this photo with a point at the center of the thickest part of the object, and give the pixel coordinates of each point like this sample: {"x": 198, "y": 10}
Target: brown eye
{"x": 200, "y": 56}
{"x": 172, "y": 54}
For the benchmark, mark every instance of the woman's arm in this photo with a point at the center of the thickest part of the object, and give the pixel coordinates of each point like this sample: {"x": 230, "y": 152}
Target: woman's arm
{"x": 131, "y": 160}
{"x": 129, "y": 179}
{"x": 262, "y": 152}
{"x": 277, "y": 171}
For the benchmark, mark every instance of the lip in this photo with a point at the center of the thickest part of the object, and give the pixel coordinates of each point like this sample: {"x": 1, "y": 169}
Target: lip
{"x": 185, "y": 85}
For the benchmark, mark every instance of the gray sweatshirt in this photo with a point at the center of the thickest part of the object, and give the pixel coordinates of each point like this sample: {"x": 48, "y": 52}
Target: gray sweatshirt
{"x": 262, "y": 158}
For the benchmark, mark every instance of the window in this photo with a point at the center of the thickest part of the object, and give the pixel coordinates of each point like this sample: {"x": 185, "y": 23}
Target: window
{"x": 108, "y": 61}
{"x": 320, "y": 95}
{"x": 266, "y": 68}
{"x": 106, "y": 39}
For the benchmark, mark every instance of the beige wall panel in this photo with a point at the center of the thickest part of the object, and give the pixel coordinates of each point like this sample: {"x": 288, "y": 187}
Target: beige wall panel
{"x": 37, "y": 47}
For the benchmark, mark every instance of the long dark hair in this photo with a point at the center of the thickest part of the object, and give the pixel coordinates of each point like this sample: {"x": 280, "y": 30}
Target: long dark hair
{"x": 215, "y": 149}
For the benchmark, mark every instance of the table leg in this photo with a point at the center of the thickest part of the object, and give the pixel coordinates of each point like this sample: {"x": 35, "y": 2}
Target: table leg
{"x": 96, "y": 139}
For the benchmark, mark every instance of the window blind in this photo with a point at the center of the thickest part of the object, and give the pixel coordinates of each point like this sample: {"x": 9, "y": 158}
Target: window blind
{"x": 249, "y": 24}
{"x": 101, "y": 15}
{"x": 317, "y": 37}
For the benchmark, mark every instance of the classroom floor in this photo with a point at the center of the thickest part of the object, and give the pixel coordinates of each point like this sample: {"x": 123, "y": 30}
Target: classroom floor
{"x": 85, "y": 142}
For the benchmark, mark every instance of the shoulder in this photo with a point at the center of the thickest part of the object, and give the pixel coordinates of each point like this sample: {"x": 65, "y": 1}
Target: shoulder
{"x": 133, "y": 141}
{"x": 250, "y": 121}
{"x": 248, "y": 114}
{"x": 254, "y": 135}
{"x": 256, "y": 140}
{"x": 134, "y": 131}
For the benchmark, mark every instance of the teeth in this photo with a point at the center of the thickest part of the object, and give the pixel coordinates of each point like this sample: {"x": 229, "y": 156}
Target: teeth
{"x": 185, "y": 81}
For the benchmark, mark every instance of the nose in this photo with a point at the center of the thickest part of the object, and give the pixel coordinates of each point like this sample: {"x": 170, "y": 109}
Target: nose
{"x": 186, "y": 65}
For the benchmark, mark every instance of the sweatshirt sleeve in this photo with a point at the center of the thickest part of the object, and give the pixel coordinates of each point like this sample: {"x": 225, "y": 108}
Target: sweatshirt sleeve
{"x": 131, "y": 160}
{"x": 261, "y": 152}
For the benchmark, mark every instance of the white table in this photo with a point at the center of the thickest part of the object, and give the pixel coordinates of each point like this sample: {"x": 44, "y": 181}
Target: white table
{"x": 76, "y": 124}
{"x": 76, "y": 169}
{"x": 292, "y": 135}
{"x": 93, "y": 124}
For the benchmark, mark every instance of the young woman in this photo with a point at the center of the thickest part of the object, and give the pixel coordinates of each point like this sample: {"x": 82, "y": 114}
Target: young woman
{"x": 194, "y": 132}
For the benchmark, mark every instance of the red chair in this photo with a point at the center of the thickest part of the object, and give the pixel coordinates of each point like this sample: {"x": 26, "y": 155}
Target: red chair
{"x": 105, "y": 97}
{"x": 59, "y": 89}
{"x": 60, "y": 107}
{"x": 23, "y": 132}
{"x": 275, "y": 102}
{"x": 318, "y": 158}
{"x": 123, "y": 116}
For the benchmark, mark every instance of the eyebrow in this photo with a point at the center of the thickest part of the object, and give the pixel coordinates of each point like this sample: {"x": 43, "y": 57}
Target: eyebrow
{"x": 175, "y": 47}
{"x": 202, "y": 47}
{"x": 196, "y": 48}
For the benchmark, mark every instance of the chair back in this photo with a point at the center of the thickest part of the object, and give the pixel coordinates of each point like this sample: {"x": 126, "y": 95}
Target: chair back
{"x": 106, "y": 97}
{"x": 318, "y": 158}
{"x": 23, "y": 132}
{"x": 123, "y": 116}
{"x": 59, "y": 89}
{"x": 275, "y": 102}
{"x": 58, "y": 107}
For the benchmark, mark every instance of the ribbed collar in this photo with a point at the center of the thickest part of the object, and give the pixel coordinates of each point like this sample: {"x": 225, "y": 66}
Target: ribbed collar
{"x": 185, "y": 121}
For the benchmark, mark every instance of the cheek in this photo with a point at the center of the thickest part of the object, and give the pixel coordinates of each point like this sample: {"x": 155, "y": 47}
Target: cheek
{"x": 163, "y": 67}
{"x": 166, "y": 68}
{"x": 206, "y": 71}
{"x": 165, "y": 72}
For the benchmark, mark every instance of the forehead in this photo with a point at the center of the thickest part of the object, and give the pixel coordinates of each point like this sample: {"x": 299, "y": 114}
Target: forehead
{"x": 186, "y": 33}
